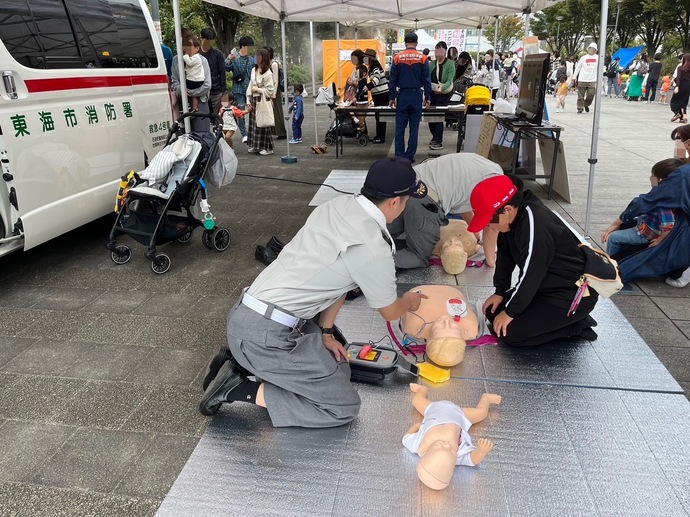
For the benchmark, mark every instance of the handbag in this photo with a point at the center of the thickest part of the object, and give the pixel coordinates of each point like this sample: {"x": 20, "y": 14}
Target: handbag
{"x": 263, "y": 111}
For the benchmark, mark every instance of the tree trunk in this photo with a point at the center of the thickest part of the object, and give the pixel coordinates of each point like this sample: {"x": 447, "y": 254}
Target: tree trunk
{"x": 267, "y": 29}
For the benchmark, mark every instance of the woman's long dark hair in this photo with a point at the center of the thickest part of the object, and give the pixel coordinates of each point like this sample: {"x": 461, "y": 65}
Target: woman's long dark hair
{"x": 461, "y": 68}
{"x": 265, "y": 61}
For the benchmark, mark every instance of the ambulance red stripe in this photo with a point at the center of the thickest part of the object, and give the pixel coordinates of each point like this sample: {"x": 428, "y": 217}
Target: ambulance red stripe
{"x": 80, "y": 83}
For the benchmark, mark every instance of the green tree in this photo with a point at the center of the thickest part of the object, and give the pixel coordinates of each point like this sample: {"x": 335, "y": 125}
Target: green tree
{"x": 510, "y": 29}
{"x": 580, "y": 19}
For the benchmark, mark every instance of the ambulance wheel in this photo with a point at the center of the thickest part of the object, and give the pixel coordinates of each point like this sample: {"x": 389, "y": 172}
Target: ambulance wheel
{"x": 207, "y": 239}
{"x": 160, "y": 264}
{"x": 121, "y": 254}
{"x": 329, "y": 140}
{"x": 221, "y": 239}
{"x": 363, "y": 140}
{"x": 185, "y": 238}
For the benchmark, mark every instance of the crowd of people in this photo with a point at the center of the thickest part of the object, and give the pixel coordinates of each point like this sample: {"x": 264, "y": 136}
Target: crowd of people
{"x": 256, "y": 91}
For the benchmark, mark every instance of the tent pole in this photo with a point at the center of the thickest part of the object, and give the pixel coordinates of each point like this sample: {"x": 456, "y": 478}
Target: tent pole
{"x": 496, "y": 36}
{"x": 180, "y": 63}
{"x": 479, "y": 44}
{"x": 337, "y": 60}
{"x": 355, "y": 36}
{"x": 597, "y": 113}
{"x": 288, "y": 158}
{"x": 313, "y": 81}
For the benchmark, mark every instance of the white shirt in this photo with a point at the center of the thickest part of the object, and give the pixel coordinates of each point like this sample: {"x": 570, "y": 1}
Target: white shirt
{"x": 569, "y": 66}
{"x": 439, "y": 413}
{"x": 339, "y": 248}
{"x": 453, "y": 176}
{"x": 193, "y": 68}
{"x": 587, "y": 69}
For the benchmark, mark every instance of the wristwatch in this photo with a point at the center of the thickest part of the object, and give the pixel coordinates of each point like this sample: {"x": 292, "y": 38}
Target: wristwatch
{"x": 327, "y": 330}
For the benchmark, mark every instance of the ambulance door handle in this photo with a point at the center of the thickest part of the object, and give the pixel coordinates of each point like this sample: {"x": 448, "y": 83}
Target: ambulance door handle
{"x": 10, "y": 86}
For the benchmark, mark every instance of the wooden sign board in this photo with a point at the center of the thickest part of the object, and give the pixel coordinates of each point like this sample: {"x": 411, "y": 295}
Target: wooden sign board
{"x": 486, "y": 135}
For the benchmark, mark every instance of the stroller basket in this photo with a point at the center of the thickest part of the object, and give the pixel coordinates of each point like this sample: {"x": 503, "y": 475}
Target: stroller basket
{"x": 171, "y": 227}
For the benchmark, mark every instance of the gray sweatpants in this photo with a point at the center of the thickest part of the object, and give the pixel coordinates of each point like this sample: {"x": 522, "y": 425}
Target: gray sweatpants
{"x": 421, "y": 223}
{"x": 304, "y": 385}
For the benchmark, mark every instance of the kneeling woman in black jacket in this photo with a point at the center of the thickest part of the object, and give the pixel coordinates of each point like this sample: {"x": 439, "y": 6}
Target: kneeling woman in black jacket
{"x": 536, "y": 240}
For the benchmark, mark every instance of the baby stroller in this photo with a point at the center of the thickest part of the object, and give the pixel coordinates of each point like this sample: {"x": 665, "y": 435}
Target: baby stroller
{"x": 154, "y": 206}
{"x": 347, "y": 127}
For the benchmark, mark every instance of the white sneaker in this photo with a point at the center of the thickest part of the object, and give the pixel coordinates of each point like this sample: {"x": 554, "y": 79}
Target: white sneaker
{"x": 678, "y": 282}
{"x": 252, "y": 150}
{"x": 244, "y": 139}
{"x": 265, "y": 152}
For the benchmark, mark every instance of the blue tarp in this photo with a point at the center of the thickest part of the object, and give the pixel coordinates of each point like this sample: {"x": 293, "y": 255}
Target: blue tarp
{"x": 627, "y": 55}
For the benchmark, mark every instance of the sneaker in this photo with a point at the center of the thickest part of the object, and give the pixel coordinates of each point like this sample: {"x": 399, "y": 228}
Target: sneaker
{"x": 253, "y": 150}
{"x": 295, "y": 141}
{"x": 436, "y": 146}
{"x": 587, "y": 109}
{"x": 677, "y": 282}
{"x": 265, "y": 152}
{"x": 244, "y": 139}
{"x": 579, "y": 111}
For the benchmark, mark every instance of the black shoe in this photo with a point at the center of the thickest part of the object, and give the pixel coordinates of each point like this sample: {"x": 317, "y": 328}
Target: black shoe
{"x": 589, "y": 334}
{"x": 276, "y": 245}
{"x": 265, "y": 255}
{"x": 378, "y": 141}
{"x": 579, "y": 111}
{"x": 587, "y": 109}
{"x": 281, "y": 137}
{"x": 214, "y": 365}
{"x": 217, "y": 393}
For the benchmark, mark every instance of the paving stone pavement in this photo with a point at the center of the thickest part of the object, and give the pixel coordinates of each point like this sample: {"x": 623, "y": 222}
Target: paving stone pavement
{"x": 100, "y": 364}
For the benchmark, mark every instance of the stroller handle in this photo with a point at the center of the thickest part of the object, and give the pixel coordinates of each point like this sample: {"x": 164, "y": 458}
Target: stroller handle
{"x": 198, "y": 114}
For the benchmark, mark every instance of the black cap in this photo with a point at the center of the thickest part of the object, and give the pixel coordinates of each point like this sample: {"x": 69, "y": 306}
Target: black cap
{"x": 392, "y": 177}
{"x": 410, "y": 37}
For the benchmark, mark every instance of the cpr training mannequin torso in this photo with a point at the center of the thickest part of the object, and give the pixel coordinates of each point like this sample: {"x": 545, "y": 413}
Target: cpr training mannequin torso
{"x": 455, "y": 246}
{"x": 445, "y": 335}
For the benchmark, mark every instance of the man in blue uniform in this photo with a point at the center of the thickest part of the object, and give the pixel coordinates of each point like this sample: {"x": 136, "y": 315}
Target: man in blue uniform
{"x": 408, "y": 76}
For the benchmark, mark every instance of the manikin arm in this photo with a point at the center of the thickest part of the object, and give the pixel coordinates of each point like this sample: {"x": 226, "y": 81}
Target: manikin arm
{"x": 413, "y": 429}
{"x": 484, "y": 447}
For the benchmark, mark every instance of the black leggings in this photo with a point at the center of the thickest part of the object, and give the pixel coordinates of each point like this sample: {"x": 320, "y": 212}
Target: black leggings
{"x": 650, "y": 89}
{"x": 542, "y": 321}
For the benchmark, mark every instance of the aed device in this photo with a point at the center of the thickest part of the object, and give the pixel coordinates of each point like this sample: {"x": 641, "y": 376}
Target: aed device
{"x": 369, "y": 363}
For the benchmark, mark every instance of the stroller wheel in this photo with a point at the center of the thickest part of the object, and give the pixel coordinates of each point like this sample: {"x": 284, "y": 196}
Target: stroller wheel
{"x": 363, "y": 140}
{"x": 121, "y": 254}
{"x": 185, "y": 238}
{"x": 160, "y": 264}
{"x": 221, "y": 239}
{"x": 207, "y": 239}
{"x": 329, "y": 140}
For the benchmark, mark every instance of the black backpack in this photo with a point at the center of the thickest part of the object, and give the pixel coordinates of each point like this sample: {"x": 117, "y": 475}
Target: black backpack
{"x": 281, "y": 78}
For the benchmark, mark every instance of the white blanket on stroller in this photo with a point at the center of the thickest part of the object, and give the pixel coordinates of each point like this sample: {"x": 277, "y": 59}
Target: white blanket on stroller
{"x": 162, "y": 163}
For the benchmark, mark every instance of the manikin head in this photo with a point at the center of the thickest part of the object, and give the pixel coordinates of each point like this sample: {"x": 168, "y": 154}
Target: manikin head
{"x": 435, "y": 469}
{"x": 446, "y": 346}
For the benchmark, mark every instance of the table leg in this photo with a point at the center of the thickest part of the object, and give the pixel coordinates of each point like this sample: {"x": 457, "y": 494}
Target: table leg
{"x": 554, "y": 162}
{"x": 461, "y": 131}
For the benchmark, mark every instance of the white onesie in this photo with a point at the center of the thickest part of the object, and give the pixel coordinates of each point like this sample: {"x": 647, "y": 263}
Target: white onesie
{"x": 438, "y": 413}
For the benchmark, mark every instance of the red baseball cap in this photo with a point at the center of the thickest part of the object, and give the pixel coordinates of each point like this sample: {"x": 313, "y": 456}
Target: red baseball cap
{"x": 487, "y": 197}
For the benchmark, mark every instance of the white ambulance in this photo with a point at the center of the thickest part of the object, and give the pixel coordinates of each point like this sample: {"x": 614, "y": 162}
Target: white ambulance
{"x": 83, "y": 100}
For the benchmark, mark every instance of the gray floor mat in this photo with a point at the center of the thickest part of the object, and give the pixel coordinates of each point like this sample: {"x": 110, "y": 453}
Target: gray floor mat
{"x": 559, "y": 451}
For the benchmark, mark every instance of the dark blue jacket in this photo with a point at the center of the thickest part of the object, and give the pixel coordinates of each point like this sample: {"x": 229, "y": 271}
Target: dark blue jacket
{"x": 410, "y": 70}
{"x": 674, "y": 251}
